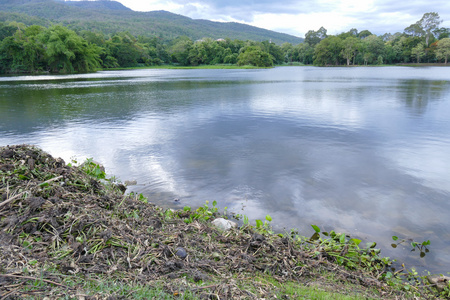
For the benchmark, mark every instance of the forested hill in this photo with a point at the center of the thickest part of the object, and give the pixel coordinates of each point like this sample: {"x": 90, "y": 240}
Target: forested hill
{"x": 111, "y": 17}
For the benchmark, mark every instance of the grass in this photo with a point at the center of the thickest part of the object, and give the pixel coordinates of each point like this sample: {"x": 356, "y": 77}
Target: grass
{"x": 177, "y": 67}
{"x": 78, "y": 286}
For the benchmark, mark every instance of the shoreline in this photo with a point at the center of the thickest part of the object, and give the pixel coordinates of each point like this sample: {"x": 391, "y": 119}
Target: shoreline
{"x": 70, "y": 229}
{"x": 230, "y": 67}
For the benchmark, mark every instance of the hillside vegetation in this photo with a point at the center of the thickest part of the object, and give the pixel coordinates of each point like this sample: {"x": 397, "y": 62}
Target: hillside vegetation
{"x": 111, "y": 17}
{"x": 66, "y": 37}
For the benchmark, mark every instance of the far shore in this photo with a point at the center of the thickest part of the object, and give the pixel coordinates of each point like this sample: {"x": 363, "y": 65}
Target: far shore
{"x": 294, "y": 64}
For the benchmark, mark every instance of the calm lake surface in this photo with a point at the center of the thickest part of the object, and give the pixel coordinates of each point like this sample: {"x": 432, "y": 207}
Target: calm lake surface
{"x": 364, "y": 151}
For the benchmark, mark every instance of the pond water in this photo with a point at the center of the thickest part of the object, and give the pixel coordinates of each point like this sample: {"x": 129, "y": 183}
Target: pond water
{"x": 364, "y": 151}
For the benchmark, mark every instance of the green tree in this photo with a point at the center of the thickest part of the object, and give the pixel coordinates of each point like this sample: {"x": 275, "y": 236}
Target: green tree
{"x": 67, "y": 52}
{"x": 443, "y": 49}
{"x": 363, "y": 34}
{"x": 442, "y": 33}
{"x": 418, "y": 52}
{"x": 328, "y": 51}
{"x": 253, "y": 55}
{"x": 126, "y": 50}
{"x": 180, "y": 50}
{"x": 351, "y": 33}
{"x": 22, "y": 52}
{"x": 425, "y": 27}
{"x": 314, "y": 37}
{"x": 274, "y": 50}
{"x": 6, "y": 30}
{"x": 349, "y": 48}
{"x": 304, "y": 53}
{"x": 229, "y": 56}
{"x": 373, "y": 47}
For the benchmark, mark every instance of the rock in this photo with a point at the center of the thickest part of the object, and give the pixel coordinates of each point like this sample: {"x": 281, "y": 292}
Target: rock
{"x": 440, "y": 281}
{"x": 223, "y": 224}
{"x": 181, "y": 252}
{"x": 130, "y": 182}
{"x": 257, "y": 240}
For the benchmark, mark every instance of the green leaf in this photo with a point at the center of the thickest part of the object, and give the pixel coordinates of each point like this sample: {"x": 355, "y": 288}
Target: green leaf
{"x": 214, "y": 203}
{"x": 371, "y": 245}
{"x": 395, "y": 237}
{"x": 342, "y": 238}
{"x": 268, "y": 218}
{"x": 259, "y": 223}
{"x": 315, "y": 236}
{"x": 316, "y": 228}
{"x": 356, "y": 241}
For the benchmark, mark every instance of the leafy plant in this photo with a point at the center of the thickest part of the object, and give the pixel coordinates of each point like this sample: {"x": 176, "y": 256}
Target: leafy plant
{"x": 422, "y": 247}
{"x": 139, "y": 197}
{"x": 264, "y": 227}
{"x": 203, "y": 213}
{"x": 93, "y": 169}
{"x": 346, "y": 251}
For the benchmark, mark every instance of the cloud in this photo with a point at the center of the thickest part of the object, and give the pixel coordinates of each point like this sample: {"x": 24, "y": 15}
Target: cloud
{"x": 297, "y": 17}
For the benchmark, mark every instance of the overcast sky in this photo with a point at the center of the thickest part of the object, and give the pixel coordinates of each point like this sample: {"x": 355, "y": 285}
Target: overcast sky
{"x": 296, "y": 17}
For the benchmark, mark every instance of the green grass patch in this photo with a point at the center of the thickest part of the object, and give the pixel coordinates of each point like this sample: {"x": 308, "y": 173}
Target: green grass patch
{"x": 210, "y": 67}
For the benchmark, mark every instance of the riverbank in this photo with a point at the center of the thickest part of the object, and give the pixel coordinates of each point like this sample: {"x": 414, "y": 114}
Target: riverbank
{"x": 67, "y": 231}
{"x": 179, "y": 67}
{"x": 293, "y": 64}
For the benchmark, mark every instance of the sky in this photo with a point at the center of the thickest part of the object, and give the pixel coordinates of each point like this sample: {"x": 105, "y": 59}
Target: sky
{"x": 297, "y": 17}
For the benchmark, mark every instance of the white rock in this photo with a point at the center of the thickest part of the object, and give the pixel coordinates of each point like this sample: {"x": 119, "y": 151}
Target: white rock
{"x": 223, "y": 224}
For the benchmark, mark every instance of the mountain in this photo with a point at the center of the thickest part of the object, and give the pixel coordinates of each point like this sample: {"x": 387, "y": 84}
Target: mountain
{"x": 111, "y": 17}
{"x": 112, "y": 5}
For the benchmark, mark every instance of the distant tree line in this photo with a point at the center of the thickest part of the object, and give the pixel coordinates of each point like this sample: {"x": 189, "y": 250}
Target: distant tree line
{"x": 423, "y": 41}
{"x": 58, "y": 49}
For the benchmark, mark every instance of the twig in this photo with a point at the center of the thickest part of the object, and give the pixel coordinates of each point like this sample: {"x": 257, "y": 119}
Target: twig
{"x": 34, "y": 278}
{"x": 12, "y": 198}
{"x": 53, "y": 179}
{"x": 19, "y": 195}
{"x": 8, "y": 293}
{"x": 205, "y": 287}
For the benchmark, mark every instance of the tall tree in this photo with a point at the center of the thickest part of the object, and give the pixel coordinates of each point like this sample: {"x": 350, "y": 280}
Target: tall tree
{"x": 314, "y": 37}
{"x": 350, "y": 46}
{"x": 425, "y": 26}
{"x": 430, "y": 22}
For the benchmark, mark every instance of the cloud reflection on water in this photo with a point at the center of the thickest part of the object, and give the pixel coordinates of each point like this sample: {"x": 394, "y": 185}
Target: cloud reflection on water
{"x": 339, "y": 148}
